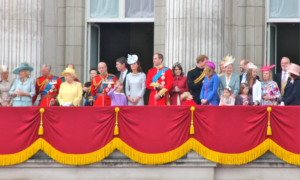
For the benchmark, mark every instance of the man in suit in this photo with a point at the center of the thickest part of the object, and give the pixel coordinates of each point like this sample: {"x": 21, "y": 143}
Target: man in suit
{"x": 196, "y": 76}
{"x": 121, "y": 65}
{"x": 244, "y": 68}
{"x": 283, "y": 77}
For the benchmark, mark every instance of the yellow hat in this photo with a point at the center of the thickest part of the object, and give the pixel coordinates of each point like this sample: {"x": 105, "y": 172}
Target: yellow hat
{"x": 69, "y": 71}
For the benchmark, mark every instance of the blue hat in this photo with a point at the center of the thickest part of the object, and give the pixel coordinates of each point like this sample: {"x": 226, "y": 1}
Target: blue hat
{"x": 23, "y": 66}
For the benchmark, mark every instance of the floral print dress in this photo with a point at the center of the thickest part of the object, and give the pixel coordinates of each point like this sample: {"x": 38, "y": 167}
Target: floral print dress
{"x": 270, "y": 89}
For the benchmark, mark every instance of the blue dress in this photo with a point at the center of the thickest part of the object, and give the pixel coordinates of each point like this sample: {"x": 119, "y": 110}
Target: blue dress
{"x": 27, "y": 87}
{"x": 209, "y": 90}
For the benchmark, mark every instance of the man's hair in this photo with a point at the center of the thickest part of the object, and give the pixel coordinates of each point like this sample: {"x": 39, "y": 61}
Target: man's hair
{"x": 122, "y": 60}
{"x": 94, "y": 69}
{"x": 47, "y": 66}
{"x": 246, "y": 62}
{"x": 201, "y": 58}
{"x": 71, "y": 65}
{"x": 287, "y": 58}
{"x": 160, "y": 56}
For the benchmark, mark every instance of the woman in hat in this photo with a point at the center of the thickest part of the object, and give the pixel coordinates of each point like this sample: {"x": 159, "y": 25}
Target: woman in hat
{"x": 70, "y": 92}
{"x": 269, "y": 88}
{"x": 229, "y": 79}
{"x": 179, "y": 85}
{"x": 291, "y": 94}
{"x": 209, "y": 92}
{"x": 5, "y": 85}
{"x": 254, "y": 84}
{"x": 23, "y": 89}
{"x": 135, "y": 82}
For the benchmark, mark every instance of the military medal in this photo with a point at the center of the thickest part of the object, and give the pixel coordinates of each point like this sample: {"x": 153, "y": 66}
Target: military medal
{"x": 107, "y": 90}
{"x": 109, "y": 86}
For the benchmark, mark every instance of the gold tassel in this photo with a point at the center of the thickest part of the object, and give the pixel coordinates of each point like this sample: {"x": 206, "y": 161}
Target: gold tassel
{"x": 192, "y": 129}
{"x": 269, "y": 131}
{"x": 116, "y": 131}
{"x": 41, "y": 129}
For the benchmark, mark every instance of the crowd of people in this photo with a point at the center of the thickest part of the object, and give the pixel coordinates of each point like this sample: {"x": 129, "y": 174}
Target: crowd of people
{"x": 202, "y": 86}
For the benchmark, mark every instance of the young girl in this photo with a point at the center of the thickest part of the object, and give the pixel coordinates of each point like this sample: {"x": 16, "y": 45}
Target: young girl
{"x": 227, "y": 99}
{"x": 244, "y": 98}
{"x": 187, "y": 99}
{"x": 117, "y": 95}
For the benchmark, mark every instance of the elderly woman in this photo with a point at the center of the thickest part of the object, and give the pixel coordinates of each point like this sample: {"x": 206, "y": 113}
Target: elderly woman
{"x": 291, "y": 94}
{"x": 254, "y": 84}
{"x": 5, "y": 85}
{"x": 269, "y": 88}
{"x": 229, "y": 79}
{"x": 135, "y": 82}
{"x": 70, "y": 92}
{"x": 179, "y": 85}
{"x": 23, "y": 88}
{"x": 209, "y": 92}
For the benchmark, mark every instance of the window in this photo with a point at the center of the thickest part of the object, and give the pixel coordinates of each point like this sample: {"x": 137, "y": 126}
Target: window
{"x": 284, "y": 9}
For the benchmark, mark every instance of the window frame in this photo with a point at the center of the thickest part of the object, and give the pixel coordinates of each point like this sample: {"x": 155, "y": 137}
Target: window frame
{"x": 280, "y": 20}
{"x": 121, "y": 17}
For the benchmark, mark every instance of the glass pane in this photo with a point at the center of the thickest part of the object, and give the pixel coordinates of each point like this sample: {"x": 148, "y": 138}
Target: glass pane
{"x": 104, "y": 8}
{"x": 94, "y": 50}
{"x": 139, "y": 8}
{"x": 284, "y": 9}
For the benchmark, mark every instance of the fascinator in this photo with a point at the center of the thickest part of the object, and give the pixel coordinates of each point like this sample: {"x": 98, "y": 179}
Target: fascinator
{"x": 251, "y": 66}
{"x": 267, "y": 68}
{"x": 132, "y": 59}
{"x": 229, "y": 60}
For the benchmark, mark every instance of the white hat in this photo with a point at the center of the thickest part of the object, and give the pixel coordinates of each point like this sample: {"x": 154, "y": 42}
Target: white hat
{"x": 132, "y": 59}
{"x": 229, "y": 60}
{"x": 251, "y": 66}
{"x": 4, "y": 68}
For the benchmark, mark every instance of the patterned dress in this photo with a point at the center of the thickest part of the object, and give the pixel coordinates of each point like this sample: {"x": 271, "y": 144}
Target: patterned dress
{"x": 270, "y": 89}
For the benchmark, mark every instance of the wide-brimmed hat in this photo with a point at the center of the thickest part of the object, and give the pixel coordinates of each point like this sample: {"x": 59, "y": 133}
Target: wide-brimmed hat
{"x": 132, "y": 59}
{"x": 267, "y": 68}
{"x": 23, "y": 66}
{"x": 69, "y": 71}
{"x": 211, "y": 65}
{"x": 294, "y": 69}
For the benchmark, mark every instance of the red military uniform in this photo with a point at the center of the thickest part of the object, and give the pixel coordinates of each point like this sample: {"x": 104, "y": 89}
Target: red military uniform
{"x": 100, "y": 86}
{"x": 48, "y": 88}
{"x": 165, "y": 79}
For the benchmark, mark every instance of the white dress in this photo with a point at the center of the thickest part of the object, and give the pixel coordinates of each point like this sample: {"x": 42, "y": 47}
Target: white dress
{"x": 136, "y": 86}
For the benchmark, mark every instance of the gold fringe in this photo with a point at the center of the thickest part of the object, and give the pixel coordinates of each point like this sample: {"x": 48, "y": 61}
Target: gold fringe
{"x": 151, "y": 159}
{"x": 11, "y": 159}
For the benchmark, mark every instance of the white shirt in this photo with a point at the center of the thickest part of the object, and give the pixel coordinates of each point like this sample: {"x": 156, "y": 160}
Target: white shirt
{"x": 124, "y": 75}
{"x": 227, "y": 79}
{"x": 286, "y": 76}
{"x": 244, "y": 77}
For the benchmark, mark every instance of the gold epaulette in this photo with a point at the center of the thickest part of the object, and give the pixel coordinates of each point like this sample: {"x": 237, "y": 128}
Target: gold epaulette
{"x": 191, "y": 69}
{"x": 111, "y": 75}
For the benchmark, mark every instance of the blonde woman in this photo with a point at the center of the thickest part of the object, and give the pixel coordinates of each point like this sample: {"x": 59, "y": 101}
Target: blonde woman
{"x": 70, "y": 92}
{"x": 23, "y": 88}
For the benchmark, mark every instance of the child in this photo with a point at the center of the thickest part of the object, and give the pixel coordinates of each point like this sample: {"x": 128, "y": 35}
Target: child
{"x": 227, "y": 99}
{"x": 117, "y": 95}
{"x": 244, "y": 98}
{"x": 188, "y": 99}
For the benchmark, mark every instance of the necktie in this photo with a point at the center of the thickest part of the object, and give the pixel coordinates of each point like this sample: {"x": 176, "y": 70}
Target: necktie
{"x": 121, "y": 76}
{"x": 284, "y": 77}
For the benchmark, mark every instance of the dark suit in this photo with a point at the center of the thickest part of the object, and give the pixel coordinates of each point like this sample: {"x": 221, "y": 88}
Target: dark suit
{"x": 124, "y": 80}
{"x": 291, "y": 94}
{"x": 277, "y": 79}
{"x": 241, "y": 78}
{"x": 194, "y": 82}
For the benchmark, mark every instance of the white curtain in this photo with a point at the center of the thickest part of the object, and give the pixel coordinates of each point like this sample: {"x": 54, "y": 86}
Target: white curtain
{"x": 284, "y": 9}
{"x": 104, "y": 8}
{"x": 139, "y": 8}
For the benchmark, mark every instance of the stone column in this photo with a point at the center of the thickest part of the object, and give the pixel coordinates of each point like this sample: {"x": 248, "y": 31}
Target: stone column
{"x": 193, "y": 27}
{"x": 21, "y": 33}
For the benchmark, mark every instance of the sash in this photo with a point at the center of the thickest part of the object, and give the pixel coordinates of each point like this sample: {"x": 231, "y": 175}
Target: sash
{"x": 200, "y": 77}
{"x": 49, "y": 85}
{"x": 157, "y": 76}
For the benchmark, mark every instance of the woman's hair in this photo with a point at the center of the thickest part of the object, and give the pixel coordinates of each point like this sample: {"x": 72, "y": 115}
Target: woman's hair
{"x": 220, "y": 69}
{"x": 139, "y": 68}
{"x": 250, "y": 80}
{"x": 120, "y": 83}
{"x": 295, "y": 77}
{"x": 270, "y": 75}
{"x": 242, "y": 87}
{"x": 184, "y": 95}
{"x": 179, "y": 67}
{"x": 28, "y": 73}
{"x": 209, "y": 71}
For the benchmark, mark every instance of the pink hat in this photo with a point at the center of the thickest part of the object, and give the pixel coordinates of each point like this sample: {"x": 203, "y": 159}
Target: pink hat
{"x": 211, "y": 65}
{"x": 294, "y": 69}
{"x": 267, "y": 68}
